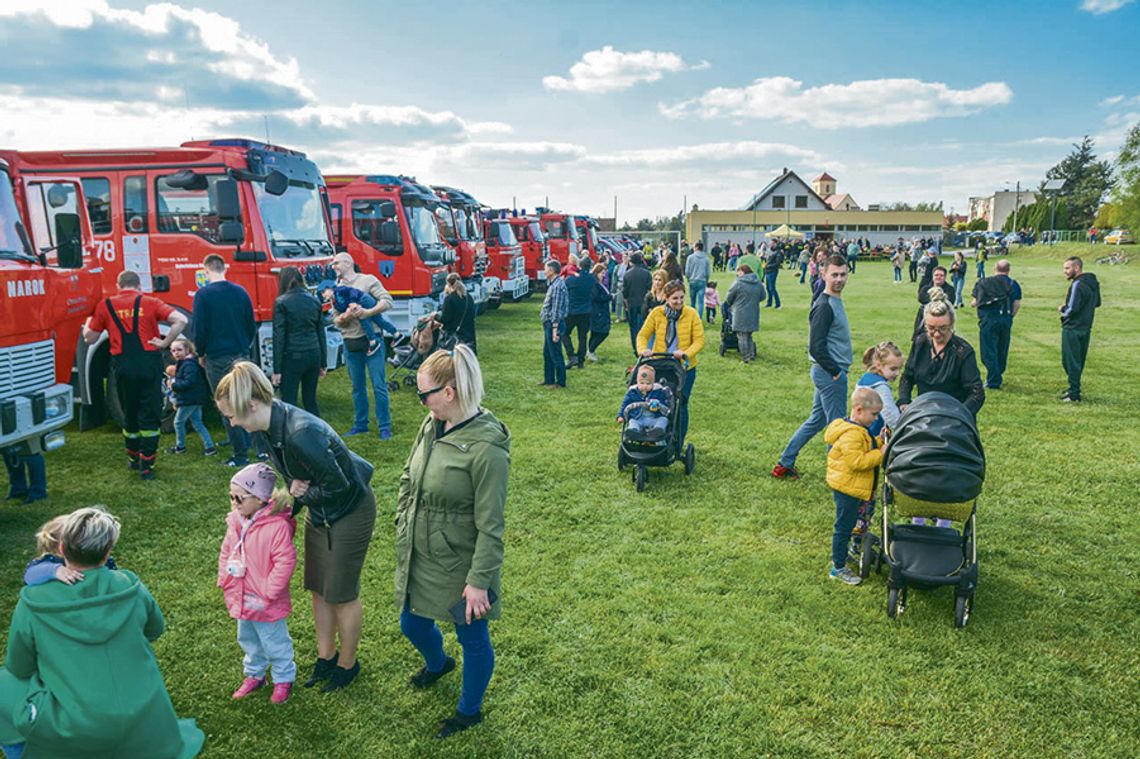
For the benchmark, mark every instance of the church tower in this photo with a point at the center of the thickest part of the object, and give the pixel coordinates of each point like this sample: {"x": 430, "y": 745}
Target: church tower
{"x": 824, "y": 185}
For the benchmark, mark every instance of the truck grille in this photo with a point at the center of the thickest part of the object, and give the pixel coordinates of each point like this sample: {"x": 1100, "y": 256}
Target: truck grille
{"x": 518, "y": 267}
{"x": 26, "y": 368}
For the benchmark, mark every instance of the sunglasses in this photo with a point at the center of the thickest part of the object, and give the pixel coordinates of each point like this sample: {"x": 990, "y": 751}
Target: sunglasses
{"x": 239, "y": 498}
{"x": 940, "y": 329}
{"x": 425, "y": 394}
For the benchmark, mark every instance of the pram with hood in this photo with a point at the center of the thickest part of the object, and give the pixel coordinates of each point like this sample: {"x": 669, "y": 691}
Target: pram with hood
{"x": 728, "y": 341}
{"x": 406, "y": 354}
{"x": 935, "y": 467}
{"x": 642, "y": 450}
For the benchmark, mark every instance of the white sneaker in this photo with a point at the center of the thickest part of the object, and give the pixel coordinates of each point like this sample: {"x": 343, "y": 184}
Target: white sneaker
{"x": 844, "y": 575}
{"x": 591, "y": 356}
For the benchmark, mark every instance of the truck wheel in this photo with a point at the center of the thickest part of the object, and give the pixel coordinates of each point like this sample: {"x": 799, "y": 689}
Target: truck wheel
{"x": 114, "y": 408}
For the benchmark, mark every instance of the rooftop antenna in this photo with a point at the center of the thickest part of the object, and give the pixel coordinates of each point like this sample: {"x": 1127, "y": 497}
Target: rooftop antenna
{"x": 265, "y": 116}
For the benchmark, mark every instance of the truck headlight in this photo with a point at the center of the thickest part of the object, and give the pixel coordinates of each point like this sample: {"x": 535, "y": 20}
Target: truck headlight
{"x": 55, "y": 406}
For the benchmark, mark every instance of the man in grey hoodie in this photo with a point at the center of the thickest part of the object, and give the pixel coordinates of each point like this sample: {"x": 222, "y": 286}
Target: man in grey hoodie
{"x": 698, "y": 269}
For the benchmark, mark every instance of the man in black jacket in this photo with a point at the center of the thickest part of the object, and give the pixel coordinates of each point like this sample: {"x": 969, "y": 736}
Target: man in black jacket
{"x": 1077, "y": 314}
{"x": 634, "y": 287}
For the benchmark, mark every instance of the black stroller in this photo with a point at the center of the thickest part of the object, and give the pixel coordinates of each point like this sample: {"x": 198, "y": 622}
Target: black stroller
{"x": 934, "y": 466}
{"x": 404, "y": 357}
{"x": 728, "y": 340}
{"x": 643, "y": 449}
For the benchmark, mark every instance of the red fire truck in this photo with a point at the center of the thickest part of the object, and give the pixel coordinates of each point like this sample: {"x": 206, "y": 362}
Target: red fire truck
{"x": 535, "y": 249}
{"x": 506, "y": 256}
{"x": 388, "y": 225}
{"x": 458, "y": 216}
{"x": 587, "y": 235}
{"x": 50, "y": 285}
{"x": 561, "y": 235}
{"x": 161, "y": 211}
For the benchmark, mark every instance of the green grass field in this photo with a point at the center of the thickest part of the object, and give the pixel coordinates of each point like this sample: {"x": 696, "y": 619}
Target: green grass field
{"x": 695, "y": 619}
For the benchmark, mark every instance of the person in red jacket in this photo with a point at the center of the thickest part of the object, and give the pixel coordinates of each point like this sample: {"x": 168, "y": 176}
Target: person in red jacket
{"x": 131, "y": 320}
{"x": 254, "y": 568}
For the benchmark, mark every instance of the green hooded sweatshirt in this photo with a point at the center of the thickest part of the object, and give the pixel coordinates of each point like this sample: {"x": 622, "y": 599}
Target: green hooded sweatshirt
{"x": 81, "y": 676}
{"x": 449, "y": 517}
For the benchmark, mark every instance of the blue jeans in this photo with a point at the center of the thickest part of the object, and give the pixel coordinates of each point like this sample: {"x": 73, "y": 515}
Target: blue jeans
{"x": 478, "y": 655}
{"x": 846, "y": 512}
{"x": 828, "y": 403}
{"x": 697, "y": 293}
{"x": 898, "y": 274}
{"x": 192, "y": 414}
{"x": 357, "y": 361}
{"x": 686, "y": 392}
{"x": 770, "y": 285}
{"x": 959, "y": 282}
{"x": 267, "y": 645}
{"x": 994, "y": 332}
{"x": 27, "y": 476}
{"x": 803, "y": 272}
{"x": 648, "y": 421}
{"x": 635, "y": 319}
{"x": 216, "y": 368}
{"x": 981, "y": 269}
{"x": 553, "y": 362}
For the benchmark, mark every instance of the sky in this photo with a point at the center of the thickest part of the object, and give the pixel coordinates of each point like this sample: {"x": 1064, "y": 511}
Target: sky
{"x": 653, "y": 103}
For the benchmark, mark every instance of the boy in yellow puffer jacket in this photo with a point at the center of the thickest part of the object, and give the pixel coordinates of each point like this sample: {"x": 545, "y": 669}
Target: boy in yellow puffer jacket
{"x": 853, "y": 463}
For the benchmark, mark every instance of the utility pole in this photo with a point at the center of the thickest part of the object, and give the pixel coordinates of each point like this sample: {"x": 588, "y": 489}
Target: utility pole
{"x": 1016, "y": 206}
{"x": 615, "y": 213}
{"x": 684, "y": 215}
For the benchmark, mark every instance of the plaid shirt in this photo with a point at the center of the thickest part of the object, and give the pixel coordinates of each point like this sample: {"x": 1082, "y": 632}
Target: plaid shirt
{"x": 557, "y": 302}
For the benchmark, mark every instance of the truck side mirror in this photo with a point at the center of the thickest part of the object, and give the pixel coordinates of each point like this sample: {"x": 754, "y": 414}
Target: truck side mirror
{"x": 276, "y": 183}
{"x": 69, "y": 252}
{"x": 390, "y": 234}
{"x": 231, "y": 232}
{"x": 386, "y": 209}
{"x": 187, "y": 180}
{"x": 58, "y": 195}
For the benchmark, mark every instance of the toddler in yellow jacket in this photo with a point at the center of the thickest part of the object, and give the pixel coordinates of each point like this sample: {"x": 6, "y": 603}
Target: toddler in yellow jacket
{"x": 853, "y": 463}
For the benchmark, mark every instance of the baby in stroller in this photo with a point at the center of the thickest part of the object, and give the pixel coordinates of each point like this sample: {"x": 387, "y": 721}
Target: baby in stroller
{"x": 342, "y": 296}
{"x": 645, "y": 408}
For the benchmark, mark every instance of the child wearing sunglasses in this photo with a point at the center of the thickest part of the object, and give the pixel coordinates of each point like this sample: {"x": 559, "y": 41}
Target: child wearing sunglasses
{"x": 254, "y": 568}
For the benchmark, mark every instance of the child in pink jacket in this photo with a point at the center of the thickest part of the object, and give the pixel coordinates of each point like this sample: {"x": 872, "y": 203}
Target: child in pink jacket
{"x": 712, "y": 302}
{"x": 254, "y": 568}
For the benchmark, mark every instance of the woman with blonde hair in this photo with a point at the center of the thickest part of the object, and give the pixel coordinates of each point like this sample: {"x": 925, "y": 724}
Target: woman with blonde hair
{"x": 941, "y": 360}
{"x": 449, "y": 529}
{"x": 457, "y": 315}
{"x": 677, "y": 329}
{"x": 656, "y": 295}
{"x": 329, "y": 480}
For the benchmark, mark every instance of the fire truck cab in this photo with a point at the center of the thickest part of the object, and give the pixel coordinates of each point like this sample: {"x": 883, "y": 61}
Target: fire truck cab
{"x": 535, "y": 250}
{"x": 561, "y": 235}
{"x": 161, "y": 211}
{"x": 458, "y": 217}
{"x": 49, "y": 285}
{"x": 587, "y": 235}
{"x": 388, "y": 225}
{"x": 506, "y": 256}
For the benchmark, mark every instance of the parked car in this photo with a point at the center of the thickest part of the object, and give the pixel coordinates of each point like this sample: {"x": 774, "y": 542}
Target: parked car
{"x": 1119, "y": 237}
{"x": 1011, "y": 238}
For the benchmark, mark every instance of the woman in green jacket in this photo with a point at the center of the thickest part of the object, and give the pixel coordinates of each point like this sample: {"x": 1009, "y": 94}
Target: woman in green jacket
{"x": 449, "y": 529}
{"x": 80, "y": 678}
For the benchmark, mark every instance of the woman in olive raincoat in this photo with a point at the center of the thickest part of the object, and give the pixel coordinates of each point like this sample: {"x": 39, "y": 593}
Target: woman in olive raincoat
{"x": 449, "y": 529}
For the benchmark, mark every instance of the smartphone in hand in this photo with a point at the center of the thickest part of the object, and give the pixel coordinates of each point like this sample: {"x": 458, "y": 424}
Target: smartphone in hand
{"x": 459, "y": 611}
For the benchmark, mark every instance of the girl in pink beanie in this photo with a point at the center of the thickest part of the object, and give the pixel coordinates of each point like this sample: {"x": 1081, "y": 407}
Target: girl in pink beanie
{"x": 254, "y": 568}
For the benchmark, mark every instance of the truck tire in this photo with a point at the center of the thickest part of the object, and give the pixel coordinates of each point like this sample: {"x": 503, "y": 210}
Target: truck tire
{"x": 114, "y": 408}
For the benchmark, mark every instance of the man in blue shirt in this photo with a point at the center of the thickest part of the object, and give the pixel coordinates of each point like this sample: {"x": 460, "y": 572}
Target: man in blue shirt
{"x": 224, "y": 330}
{"x": 997, "y": 299}
{"x": 554, "y": 309}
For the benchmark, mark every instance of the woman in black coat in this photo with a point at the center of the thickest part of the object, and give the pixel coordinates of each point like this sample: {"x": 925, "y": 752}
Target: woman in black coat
{"x": 936, "y": 281}
{"x": 457, "y": 314}
{"x": 299, "y": 348}
{"x": 941, "y": 361}
{"x": 332, "y": 484}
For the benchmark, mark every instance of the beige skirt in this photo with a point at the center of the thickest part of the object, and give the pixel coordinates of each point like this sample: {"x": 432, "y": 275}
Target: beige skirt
{"x": 334, "y": 573}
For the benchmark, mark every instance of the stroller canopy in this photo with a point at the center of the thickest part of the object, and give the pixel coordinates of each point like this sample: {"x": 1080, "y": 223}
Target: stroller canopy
{"x": 935, "y": 453}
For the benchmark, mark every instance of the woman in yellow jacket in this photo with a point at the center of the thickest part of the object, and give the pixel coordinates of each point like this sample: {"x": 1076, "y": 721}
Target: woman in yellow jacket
{"x": 677, "y": 329}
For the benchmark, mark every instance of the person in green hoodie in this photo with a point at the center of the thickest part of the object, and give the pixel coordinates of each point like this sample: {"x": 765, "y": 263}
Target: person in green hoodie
{"x": 80, "y": 677}
{"x": 449, "y": 529}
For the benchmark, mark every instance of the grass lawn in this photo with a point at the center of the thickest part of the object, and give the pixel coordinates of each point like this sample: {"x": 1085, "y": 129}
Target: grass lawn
{"x": 695, "y": 619}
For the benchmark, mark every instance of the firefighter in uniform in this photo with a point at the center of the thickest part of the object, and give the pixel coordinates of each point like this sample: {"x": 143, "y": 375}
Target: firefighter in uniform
{"x": 131, "y": 321}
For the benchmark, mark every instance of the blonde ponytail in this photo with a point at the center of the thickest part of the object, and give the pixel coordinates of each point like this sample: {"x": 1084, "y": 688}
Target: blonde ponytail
{"x": 460, "y": 369}
{"x": 245, "y": 382}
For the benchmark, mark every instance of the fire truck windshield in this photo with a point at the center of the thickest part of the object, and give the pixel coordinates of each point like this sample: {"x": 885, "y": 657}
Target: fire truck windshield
{"x": 294, "y": 221}
{"x": 12, "y": 234}
{"x": 502, "y": 234}
{"x": 425, "y": 232}
{"x": 535, "y": 230}
{"x": 468, "y": 224}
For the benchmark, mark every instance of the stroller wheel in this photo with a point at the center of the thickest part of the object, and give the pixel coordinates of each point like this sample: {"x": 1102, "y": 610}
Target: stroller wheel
{"x": 639, "y": 476}
{"x": 410, "y": 380}
{"x": 963, "y": 605}
{"x": 621, "y": 461}
{"x": 722, "y": 349}
{"x": 393, "y": 386}
{"x": 896, "y": 602}
{"x": 690, "y": 458}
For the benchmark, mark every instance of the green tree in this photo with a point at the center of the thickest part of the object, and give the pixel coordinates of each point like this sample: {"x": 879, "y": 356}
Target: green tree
{"x": 977, "y": 225}
{"x": 1087, "y": 181}
{"x": 1126, "y": 198}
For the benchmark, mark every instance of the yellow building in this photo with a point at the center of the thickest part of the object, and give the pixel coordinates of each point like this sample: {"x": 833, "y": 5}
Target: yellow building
{"x": 817, "y": 210}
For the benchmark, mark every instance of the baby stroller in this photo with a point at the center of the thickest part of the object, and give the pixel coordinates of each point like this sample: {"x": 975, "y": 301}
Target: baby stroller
{"x": 934, "y": 467}
{"x": 728, "y": 340}
{"x": 645, "y": 449}
{"x": 405, "y": 354}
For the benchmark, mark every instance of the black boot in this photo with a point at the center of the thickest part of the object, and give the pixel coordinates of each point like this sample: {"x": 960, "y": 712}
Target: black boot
{"x": 425, "y": 678}
{"x": 341, "y": 678}
{"x": 457, "y": 723}
{"x": 322, "y": 670}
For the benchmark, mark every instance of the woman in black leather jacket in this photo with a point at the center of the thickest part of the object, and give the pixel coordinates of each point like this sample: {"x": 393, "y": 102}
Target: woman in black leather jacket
{"x": 329, "y": 480}
{"x": 299, "y": 349}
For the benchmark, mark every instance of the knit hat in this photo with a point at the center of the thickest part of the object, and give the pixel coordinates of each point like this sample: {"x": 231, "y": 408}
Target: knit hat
{"x": 256, "y": 479}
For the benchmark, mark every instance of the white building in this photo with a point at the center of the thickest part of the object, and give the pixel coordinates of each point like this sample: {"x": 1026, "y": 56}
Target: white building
{"x": 996, "y": 208}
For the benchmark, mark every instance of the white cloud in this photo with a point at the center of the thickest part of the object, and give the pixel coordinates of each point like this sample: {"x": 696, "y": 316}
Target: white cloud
{"x": 864, "y": 103}
{"x": 1114, "y": 100}
{"x": 1100, "y": 7}
{"x": 743, "y": 152}
{"x": 608, "y": 70}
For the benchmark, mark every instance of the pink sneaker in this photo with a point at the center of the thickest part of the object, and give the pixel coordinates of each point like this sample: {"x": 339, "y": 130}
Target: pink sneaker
{"x": 281, "y": 692}
{"x": 248, "y": 685}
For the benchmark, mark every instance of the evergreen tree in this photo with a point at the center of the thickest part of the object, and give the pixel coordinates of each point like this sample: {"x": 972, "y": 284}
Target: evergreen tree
{"x": 1126, "y": 199}
{"x": 1087, "y": 181}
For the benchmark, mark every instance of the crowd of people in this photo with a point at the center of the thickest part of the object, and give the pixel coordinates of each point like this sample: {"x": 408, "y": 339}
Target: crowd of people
{"x": 453, "y": 488}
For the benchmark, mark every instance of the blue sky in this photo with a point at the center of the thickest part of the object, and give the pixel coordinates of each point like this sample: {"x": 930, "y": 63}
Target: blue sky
{"x": 651, "y": 102}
